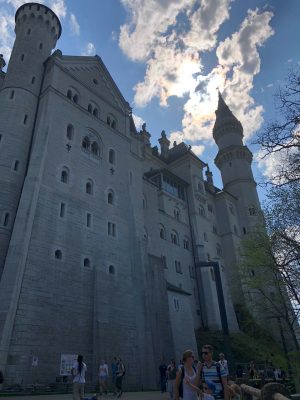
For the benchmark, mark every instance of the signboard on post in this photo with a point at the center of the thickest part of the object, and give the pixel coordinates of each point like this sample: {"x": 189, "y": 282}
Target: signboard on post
{"x": 66, "y": 363}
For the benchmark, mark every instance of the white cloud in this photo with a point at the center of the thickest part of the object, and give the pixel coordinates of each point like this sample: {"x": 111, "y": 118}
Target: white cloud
{"x": 59, "y": 7}
{"x": 172, "y": 51}
{"x": 198, "y": 149}
{"x": 74, "y": 25}
{"x": 89, "y": 50}
{"x": 149, "y": 21}
{"x": 138, "y": 121}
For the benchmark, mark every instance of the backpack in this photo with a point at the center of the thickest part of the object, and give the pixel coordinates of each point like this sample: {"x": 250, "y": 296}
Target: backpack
{"x": 180, "y": 387}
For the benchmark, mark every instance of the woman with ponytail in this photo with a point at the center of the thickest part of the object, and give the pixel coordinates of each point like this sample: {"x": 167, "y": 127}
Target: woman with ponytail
{"x": 78, "y": 372}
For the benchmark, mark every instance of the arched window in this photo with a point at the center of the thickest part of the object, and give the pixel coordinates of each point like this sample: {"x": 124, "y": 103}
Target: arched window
{"x": 70, "y": 131}
{"x": 86, "y": 143}
{"x": 89, "y": 187}
{"x": 58, "y": 254}
{"x": 162, "y": 232}
{"x": 111, "y": 270}
{"x": 219, "y": 249}
{"x": 174, "y": 238}
{"x": 64, "y": 175}
{"x": 95, "y": 112}
{"x": 69, "y": 94}
{"x": 186, "y": 243}
{"x": 112, "y": 156}
{"x": 95, "y": 148}
{"x": 90, "y": 108}
{"x": 202, "y": 211}
{"x": 113, "y": 124}
{"x": 75, "y": 98}
{"x": 87, "y": 263}
{"x": 252, "y": 211}
{"x": 110, "y": 197}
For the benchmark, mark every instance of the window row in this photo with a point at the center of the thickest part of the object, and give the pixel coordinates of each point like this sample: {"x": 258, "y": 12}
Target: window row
{"x": 90, "y": 144}
{"x": 174, "y": 237}
{"x": 86, "y": 262}
{"x": 111, "y": 227}
{"x": 89, "y": 186}
{"x": 92, "y": 108}
{"x": 178, "y": 268}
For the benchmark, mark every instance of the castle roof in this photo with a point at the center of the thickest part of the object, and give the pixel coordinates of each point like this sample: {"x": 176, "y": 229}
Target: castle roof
{"x": 225, "y": 118}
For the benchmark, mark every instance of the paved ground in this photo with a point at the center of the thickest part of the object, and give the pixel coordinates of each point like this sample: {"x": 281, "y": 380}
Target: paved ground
{"x": 125, "y": 396}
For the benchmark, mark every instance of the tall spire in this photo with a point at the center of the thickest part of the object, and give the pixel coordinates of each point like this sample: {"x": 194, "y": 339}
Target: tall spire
{"x": 225, "y": 120}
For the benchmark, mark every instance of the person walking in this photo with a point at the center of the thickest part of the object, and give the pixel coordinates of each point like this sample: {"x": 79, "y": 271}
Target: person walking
{"x": 171, "y": 376}
{"x": 119, "y": 378}
{"x": 187, "y": 378}
{"x": 252, "y": 370}
{"x": 224, "y": 363}
{"x": 103, "y": 377}
{"x": 1, "y": 380}
{"x": 78, "y": 372}
{"x": 114, "y": 368}
{"x": 212, "y": 371}
{"x": 163, "y": 376}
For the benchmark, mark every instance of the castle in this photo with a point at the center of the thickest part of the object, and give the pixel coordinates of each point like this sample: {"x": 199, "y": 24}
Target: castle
{"x": 108, "y": 246}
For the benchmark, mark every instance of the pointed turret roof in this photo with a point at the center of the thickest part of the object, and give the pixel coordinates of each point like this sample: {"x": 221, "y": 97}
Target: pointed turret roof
{"x": 225, "y": 119}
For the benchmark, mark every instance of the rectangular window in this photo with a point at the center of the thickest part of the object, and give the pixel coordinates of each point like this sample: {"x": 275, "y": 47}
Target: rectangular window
{"x": 12, "y": 94}
{"x": 111, "y": 229}
{"x": 16, "y": 165}
{"x": 25, "y": 119}
{"x": 178, "y": 267}
{"x": 88, "y": 220}
{"x": 6, "y": 220}
{"x": 164, "y": 261}
{"x": 62, "y": 210}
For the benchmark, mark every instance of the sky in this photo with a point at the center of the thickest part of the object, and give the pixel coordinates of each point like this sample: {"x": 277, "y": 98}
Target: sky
{"x": 170, "y": 57}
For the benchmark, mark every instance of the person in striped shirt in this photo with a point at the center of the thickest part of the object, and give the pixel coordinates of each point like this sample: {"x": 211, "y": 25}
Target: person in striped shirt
{"x": 214, "y": 372}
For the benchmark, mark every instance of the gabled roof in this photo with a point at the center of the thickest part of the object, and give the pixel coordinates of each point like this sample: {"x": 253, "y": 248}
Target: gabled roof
{"x": 178, "y": 151}
{"x": 92, "y": 72}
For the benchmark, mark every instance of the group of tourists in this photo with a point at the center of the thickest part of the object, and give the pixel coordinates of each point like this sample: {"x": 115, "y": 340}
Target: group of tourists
{"x": 192, "y": 379}
{"x": 267, "y": 371}
{"x": 79, "y": 370}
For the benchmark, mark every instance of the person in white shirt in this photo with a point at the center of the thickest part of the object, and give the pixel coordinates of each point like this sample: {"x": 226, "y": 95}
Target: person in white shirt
{"x": 224, "y": 363}
{"x": 78, "y": 372}
{"x": 103, "y": 377}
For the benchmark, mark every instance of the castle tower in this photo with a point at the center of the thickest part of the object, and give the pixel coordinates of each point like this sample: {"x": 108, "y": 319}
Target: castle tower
{"x": 234, "y": 161}
{"x": 37, "y": 30}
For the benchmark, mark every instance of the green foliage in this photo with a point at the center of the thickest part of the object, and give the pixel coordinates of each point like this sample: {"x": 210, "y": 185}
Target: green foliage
{"x": 244, "y": 347}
